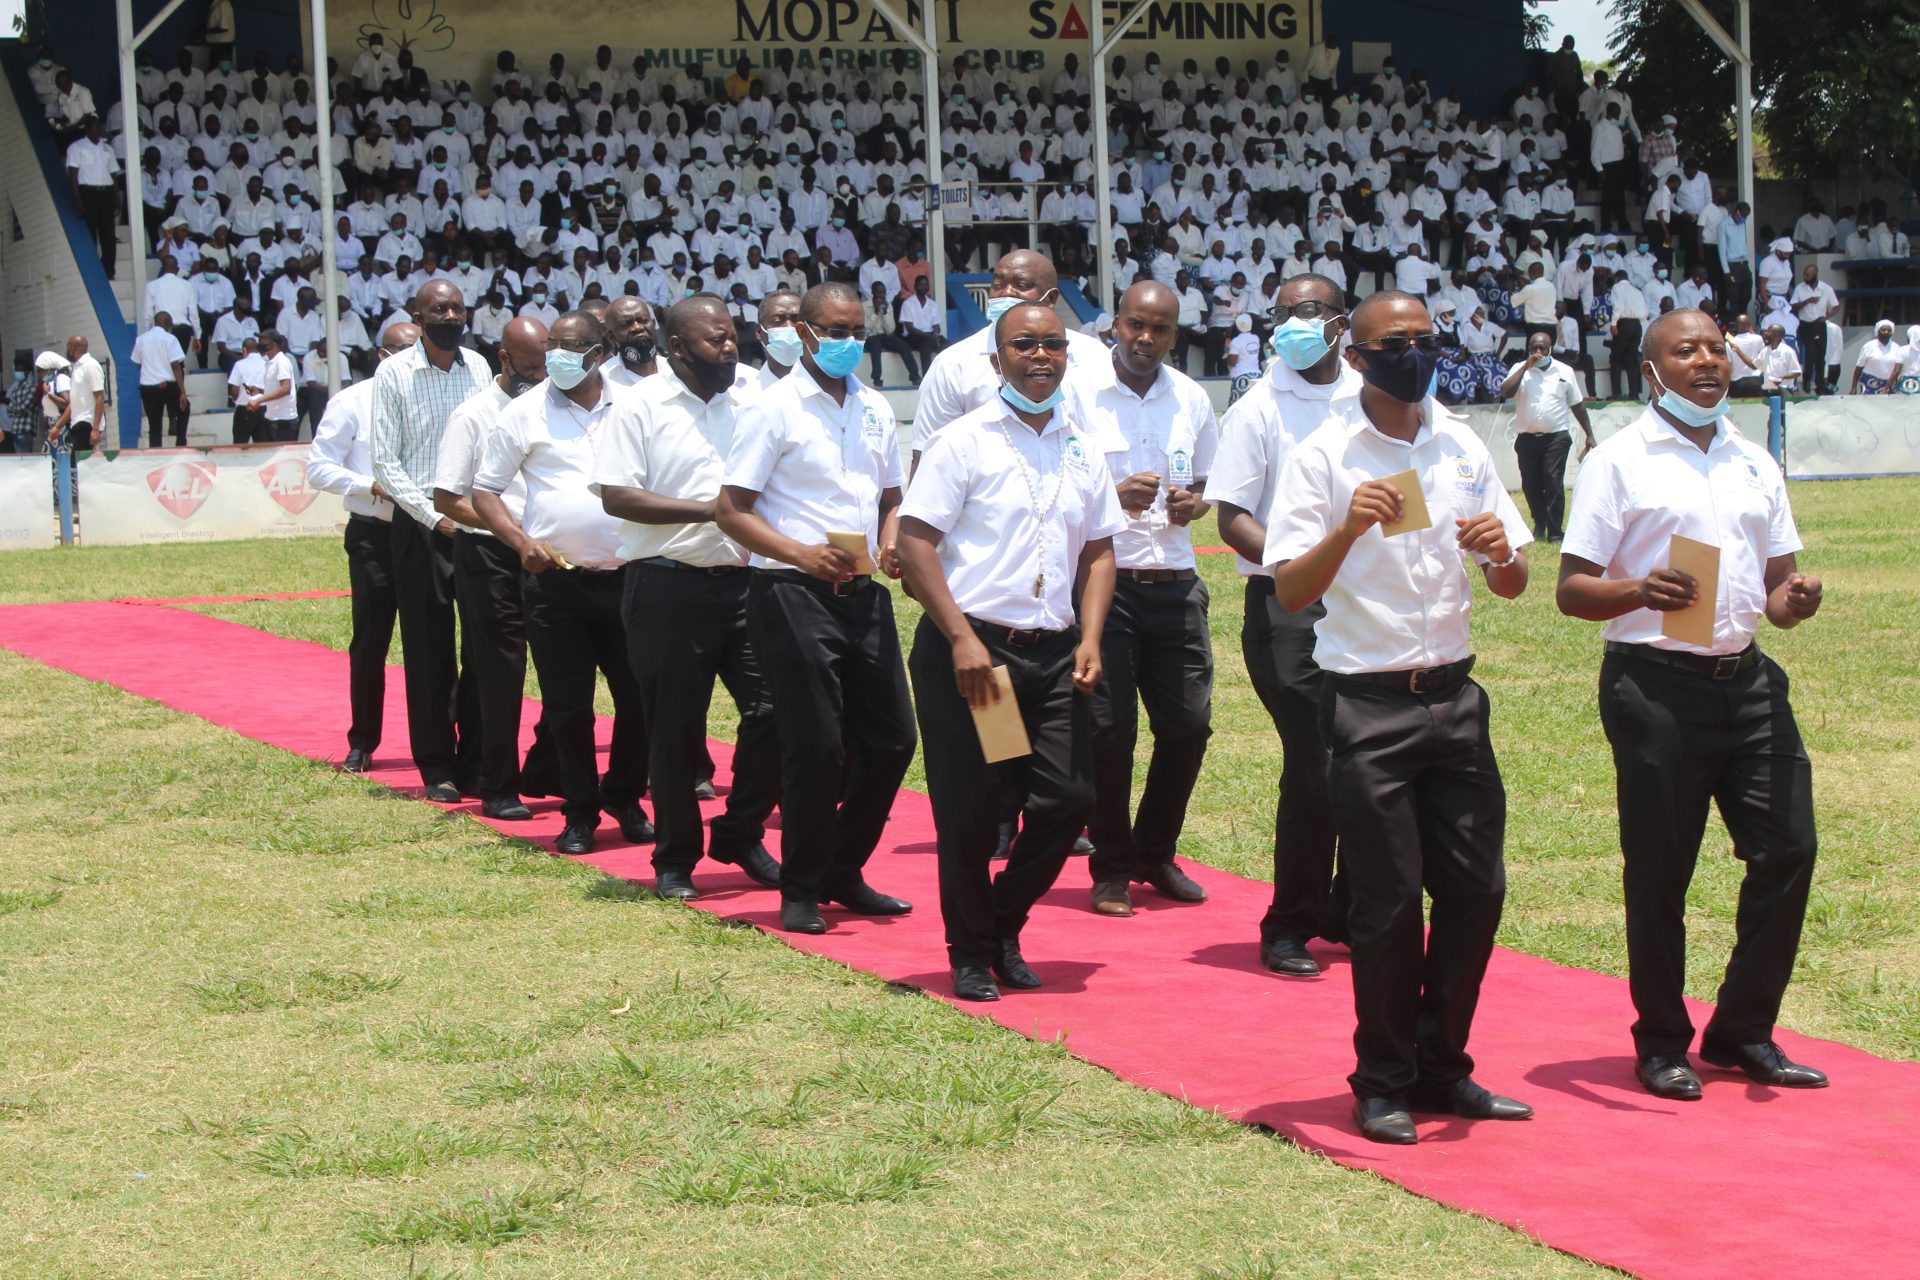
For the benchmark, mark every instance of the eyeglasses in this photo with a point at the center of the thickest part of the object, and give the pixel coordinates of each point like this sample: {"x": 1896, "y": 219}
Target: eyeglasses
{"x": 1394, "y": 344}
{"x": 1308, "y": 310}
{"x": 1025, "y": 345}
{"x": 840, "y": 333}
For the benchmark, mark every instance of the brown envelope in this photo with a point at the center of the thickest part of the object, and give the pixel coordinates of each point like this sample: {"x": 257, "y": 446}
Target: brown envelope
{"x": 1701, "y": 562}
{"x": 1413, "y": 514}
{"x": 855, "y": 545}
{"x": 1003, "y": 734}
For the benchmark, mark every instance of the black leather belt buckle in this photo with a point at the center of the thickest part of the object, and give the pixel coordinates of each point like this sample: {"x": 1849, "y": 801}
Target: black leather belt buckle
{"x": 1728, "y": 666}
{"x": 1023, "y": 639}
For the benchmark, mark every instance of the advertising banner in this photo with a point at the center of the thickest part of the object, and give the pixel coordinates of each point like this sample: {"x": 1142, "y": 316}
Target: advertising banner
{"x": 27, "y": 519}
{"x": 150, "y": 496}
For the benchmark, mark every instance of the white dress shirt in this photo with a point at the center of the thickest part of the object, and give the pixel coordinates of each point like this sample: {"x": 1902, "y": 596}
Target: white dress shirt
{"x": 1545, "y": 399}
{"x": 287, "y": 407}
{"x": 1398, "y": 603}
{"x": 463, "y": 443}
{"x": 819, "y": 467}
{"x": 412, "y": 401}
{"x": 1135, "y": 434}
{"x": 156, "y": 352}
{"x": 338, "y": 461}
{"x": 1646, "y": 483}
{"x": 961, "y": 378}
{"x": 1015, "y": 509}
{"x": 1261, "y": 429}
{"x": 549, "y": 442}
{"x": 665, "y": 439}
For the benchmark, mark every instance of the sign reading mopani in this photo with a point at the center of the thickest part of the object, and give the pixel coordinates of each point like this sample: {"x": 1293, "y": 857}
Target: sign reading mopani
{"x": 184, "y": 495}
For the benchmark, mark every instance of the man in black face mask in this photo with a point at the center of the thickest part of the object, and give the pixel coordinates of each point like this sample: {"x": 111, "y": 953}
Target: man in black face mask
{"x": 685, "y": 595}
{"x": 486, "y": 579}
{"x": 630, "y": 326}
{"x": 1417, "y": 797}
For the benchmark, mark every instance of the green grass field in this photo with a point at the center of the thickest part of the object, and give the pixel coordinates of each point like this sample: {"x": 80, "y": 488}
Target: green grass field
{"x": 266, "y": 1020}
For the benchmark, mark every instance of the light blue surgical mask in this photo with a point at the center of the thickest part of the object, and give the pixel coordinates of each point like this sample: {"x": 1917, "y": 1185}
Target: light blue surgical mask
{"x": 1013, "y": 396}
{"x": 838, "y": 357}
{"x": 1301, "y": 344}
{"x": 784, "y": 346}
{"x": 1687, "y": 411}
{"x": 568, "y": 369}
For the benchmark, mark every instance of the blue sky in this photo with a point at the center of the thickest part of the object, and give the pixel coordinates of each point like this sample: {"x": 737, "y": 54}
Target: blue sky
{"x": 1587, "y": 21}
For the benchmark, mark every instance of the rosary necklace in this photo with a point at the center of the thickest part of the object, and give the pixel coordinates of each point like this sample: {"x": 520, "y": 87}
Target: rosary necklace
{"x": 1041, "y": 509}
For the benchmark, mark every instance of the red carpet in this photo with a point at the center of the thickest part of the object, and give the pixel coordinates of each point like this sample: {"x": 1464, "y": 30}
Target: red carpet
{"x": 1749, "y": 1182}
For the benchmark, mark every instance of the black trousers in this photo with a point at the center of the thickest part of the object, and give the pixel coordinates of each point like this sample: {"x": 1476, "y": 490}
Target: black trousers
{"x": 369, "y": 544}
{"x": 1615, "y": 178}
{"x": 846, "y": 724}
{"x": 443, "y": 697}
{"x": 97, "y": 209}
{"x": 574, "y": 629}
{"x": 162, "y": 401}
{"x": 1682, "y": 741}
{"x": 1624, "y": 357}
{"x": 685, "y": 629}
{"x": 1419, "y": 805}
{"x": 1155, "y": 649}
{"x": 1308, "y": 901}
{"x": 977, "y": 908}
{"x": 1813, "y": 356}
{"x": 1543, "y": 479}
{"x": 250, "y": 427}
{"x": 486, "y": 584}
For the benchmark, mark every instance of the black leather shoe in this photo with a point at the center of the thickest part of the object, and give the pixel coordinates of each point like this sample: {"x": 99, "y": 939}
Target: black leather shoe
{"x": 506, "y": 809}
{"x": 703, "y": 790}
{"x": 758, "y": 864}
{"x": 1466, "y": 1099}
{"x": 1763, "y": 1062}
{"x": 1172, "y": 883}
{"x": 974, "y": 982}
{"x": 1011, "y": 967}
{"x": 864, "y": 900}
{"x": 1384, "y": 1120}
{"x": 1082, "y": 847}
{"x": 1111, "y": 898}
{"x": 1288, "y": 958}
{"x": 634, "y": 826}
{"x": 357, "y": 761}
{"x": 675, "y": 884}
{"x": 800, "y": 915}
{"x": 443, "y": 793}
{"x": 576, "y": 838}
{"x": 1003, "y": 842}
{"x": 1667, "y": 1075}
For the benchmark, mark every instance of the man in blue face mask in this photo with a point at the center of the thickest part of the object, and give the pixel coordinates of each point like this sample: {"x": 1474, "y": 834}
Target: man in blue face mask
{"x": 810, "y": 487}
{"x": 1417, "y": 796}
{"x": 1702, "y": 719}
{"x": 1305, "y": 382}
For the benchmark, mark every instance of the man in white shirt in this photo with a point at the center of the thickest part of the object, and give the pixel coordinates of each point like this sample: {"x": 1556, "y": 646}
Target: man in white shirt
{"x": 87, "y": 406}
{"x": 631, "y": 333}
{"x": 1781, "y": 371}
{"x": 1417, "y": 794}
{"x": 1306, "y": 381}
{"x": 922, "y": 322}
{"x": 1536, "y": 301}
{"x": 814, "y": 459}
{"x": 91, "y": 166}
{"x": 1746, "y": 357}
{"x": 1814, "y": 303}
{"x": 657, "y": 469}
{"x": 1008, "y": 509}
{"x": 1155, "y": 428}
{"x": 338, "y": 462}
{"x": 278, "y": 403}
{"x": 1696, "y": 725}
{"x": 163, "y": 380}
{"x": 1549, "y": 403}
{"x": 1630, "y": 316}
{"x": 245, "y": 381}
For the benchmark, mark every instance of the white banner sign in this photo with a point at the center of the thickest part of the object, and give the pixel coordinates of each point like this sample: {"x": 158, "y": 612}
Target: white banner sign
{"x": 27, "y": 520}
{"x": 149, "y": 496}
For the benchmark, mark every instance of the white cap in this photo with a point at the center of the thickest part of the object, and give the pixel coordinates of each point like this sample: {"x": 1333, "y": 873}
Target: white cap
{"x": 48, "y": 361}
{"x": 1243, "y": 322}
{"x": 1783, "y": 245}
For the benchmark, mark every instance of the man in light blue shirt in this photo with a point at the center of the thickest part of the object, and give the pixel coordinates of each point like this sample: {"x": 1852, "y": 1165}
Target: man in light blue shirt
{"x": 1733, "y": 256}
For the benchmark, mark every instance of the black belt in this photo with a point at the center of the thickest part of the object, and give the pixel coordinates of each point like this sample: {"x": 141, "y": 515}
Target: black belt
{"x": 846, "y": 588}
{"x": 1715, "y": 667}
{"x": 1156, "y": 575}
{"x": 1414, "y": 680}
{"x": 1016, "y": 637}
{"x": 711, "y": 570}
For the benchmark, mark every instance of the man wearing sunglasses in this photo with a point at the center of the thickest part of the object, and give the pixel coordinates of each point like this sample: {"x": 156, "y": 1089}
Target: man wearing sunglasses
{"x": 1156, "y": 429}
{"x": 1009, "y": 509}
{"x": 815, "y": 462}
{"x": 1417, "y": 797}
{"x": 1308, "y": 381}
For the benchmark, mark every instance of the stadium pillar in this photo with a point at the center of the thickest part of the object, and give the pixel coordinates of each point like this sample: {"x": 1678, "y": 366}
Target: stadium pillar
{"x": 129, "y": 41}
{"x": 928, "y": 43}
{"x": 1739, "y": 50}
{"x": 323, "y": 150}
{"x": 1099, "y": 45}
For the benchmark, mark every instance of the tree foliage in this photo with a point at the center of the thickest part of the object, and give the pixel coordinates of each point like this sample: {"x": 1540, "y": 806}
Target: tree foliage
{"x": 1834, "y": 81}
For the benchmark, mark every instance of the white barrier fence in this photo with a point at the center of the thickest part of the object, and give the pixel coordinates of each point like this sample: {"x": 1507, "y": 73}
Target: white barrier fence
{"x": 150, "y": 496}
{"x": 27, "y": 520}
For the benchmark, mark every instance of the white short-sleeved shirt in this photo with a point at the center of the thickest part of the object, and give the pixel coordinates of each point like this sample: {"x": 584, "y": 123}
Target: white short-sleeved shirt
{"x": 280, "y": 369}
{"x": 1646, "y": 483}
{"x": 665, "y": 439}
{"x": 961, "y": 379}
{"x": 1397, "y": 603}
{"x": 1545, "y": 400}
{"x": 976, "y": 484}
{"x": 1170, "y": 428}
{"x": 819, "y": 467}
{"x": 156, "y": 352}
{"x": 88, "y": 378}
{"x": 549, "y": 441}
{"x": 1261, "y": 429}
{"x": 462, "y": 444}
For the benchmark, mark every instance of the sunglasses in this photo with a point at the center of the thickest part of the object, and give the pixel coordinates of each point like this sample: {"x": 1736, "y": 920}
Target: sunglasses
{"x": 1308, "y": 310}
{"x": 1026, "y": 345}
{"x": 1397, "y": 343}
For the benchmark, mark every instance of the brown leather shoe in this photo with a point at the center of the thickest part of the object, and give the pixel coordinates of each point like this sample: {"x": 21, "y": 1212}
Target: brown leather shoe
{"x": 1110, "y": 898}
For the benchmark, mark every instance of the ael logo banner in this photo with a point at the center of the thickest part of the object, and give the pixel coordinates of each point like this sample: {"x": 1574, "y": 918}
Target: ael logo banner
{"x": 286, "y": 483}
{"x": 182, "y": 488}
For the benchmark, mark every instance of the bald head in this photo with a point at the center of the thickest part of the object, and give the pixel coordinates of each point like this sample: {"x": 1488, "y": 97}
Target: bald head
{"x": 1149, "y": 298}
{"x": 1389, "y": 311}
{"x": 1024, "y": 274}
{"x": 523, "y": 350}
{"x": 701, "y": 306}
{"x": 436, "y": 294}
{"x": 399, "y": 336}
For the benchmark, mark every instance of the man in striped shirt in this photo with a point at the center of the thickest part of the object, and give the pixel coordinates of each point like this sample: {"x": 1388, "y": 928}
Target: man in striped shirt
{"x": 414, "y": 394}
